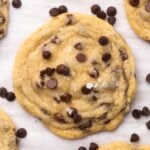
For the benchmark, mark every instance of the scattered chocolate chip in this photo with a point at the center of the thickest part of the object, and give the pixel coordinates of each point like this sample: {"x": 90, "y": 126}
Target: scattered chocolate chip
{"x": 62, "y": 9}
{"x": 59, "y": 118}
{"x": 81, "y": 57}
{"x": 136, "y": 113}
{"x": 134, "y": 3}
{"x": 3, "y": 92}
{"x": 93, "y": 146}
{"x": 52, "y": 83}
{"x": 147, "y": 7}
{"x": 69, "y": 19}
{"x": 111, "y": 11}
{"x": 111, "y": 20}
{"x": 55, "y": 40}
{"x": 123, "y": 55}
{"x": 106, "y": 57}
{"x": 145, "y": 111}
{"x": 134, "y": 138}
{"x": 16, "y": 3}
{"x": 95, "y": 8}
{"x": 10, "y": 96}
{"x": 54, "y": 12}
{"x": 101, "y": 15}
{"x": 66, "y": 97}
{"x": 82, "y": 148}
{"x": 148, "y": 125}
{"x": 2, "y": 20}
{"x": 85, "y": 124}
{"x": 72, "y": 112}
{"x": 79, "y": 46}
{"x": 46, "y": 54}
{"x": 103, "y": 40}
{"x": 85, "y": 90}
{"x": 21, "y": 133}
{"x": 94, "y": 73}
{"x": 148, "y": 78}
{"x": 63, "y": 70}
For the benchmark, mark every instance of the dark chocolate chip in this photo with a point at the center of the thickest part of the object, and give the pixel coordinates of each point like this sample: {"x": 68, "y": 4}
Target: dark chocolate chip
{"x": 16, "y": 3}
{"x": 95, "y": 8}
{"x": 63, "y": 70}
{"x": 3, "y": 92}
{"x": 54, "y": 12}
{"x": 106, "y": 57}
{"x": 86, "y": 90}
{"x": 59, "y": 118}
{"x": 134, "y": 138}
{"x": 148, "y": 78}
{"x": 111, "y": 20}
{"x": 111, "y": 11}
{"x": 50, "y": 71}
{"x": 123, "y": 55}
{"x": 10, "y": 96}
{"x": 134, "y": 3}
{"x": 79, "y": 46}
{"x": 85, "y": 124}
{"x": 101, "y": 15}
{"x": 136, "y": 113}
{"x": 55, "y": 40}
{"x": 103, "y": 40}
{"x": 93, "y": 146}
{"x": 147, "y": 7}
{"x": 82, "y": 148}
{"x": 73, "y": 112}
{"x": 21, "y": 133}
{"x": 66, "y": 97}
{"x": 148, "y": 125}
{"x": 46, "y": 54}
{"x": 43, "y": 73}
{"x": 2, "y": 20}
{"x": 145, "y": 111}
{"x": 81, "y": 57}
{"x": 62, "y": 9}
{"x": 52, "y": 83}
{"x": 77, "y": 118}
{"x": 94, "y": 73}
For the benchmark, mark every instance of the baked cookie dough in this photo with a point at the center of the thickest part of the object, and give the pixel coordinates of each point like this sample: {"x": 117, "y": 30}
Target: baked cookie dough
{"x": 76, "y": 74}
{"x": 123, "y": 146}
{"x": 138, "y": 14}
{"x": 7, "y": 133}
{"x": 3, "y": 17}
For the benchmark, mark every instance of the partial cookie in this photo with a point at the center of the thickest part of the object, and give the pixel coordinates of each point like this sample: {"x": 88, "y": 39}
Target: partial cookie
{"x": 76, "y": 74}
{"x": 7, "y": 133}
{"x": 3, "y": 17}
{"x": 138, "y": 13}
{"x": 123, "y": 146}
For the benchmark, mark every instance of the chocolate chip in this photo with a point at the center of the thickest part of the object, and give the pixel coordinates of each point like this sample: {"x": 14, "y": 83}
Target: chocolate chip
{"x": 52, "y": 83}
{"x": 2, "y": 20}
{"x": 21, "y": 133}
{"x": 148, "y": 125}
{"x": 95, "y": 8}
{"x": 2, "y": 31}
{"x": 103, "y": 40}
{"x": 86, "y": 90}
{"x": 148, "y": 78}
{"x": 145, "y": 111}
{"x": 45, "y": 111}
{"x": 81, "y": 57}
{"x": 69, "y": 19}
{"x": 93, "y": 146}
{"x": 82, "y": 148}
{"x": 111, "y": 20}
{"x": 16, "y": 3}
{"x": 79, "y": 46}
{"x": 123, "y": 55}
{"x": 49, "y": 71}
{"x": 72, "y": 112}
{"x": 62, "y": 9}
{"x": 3, "y": 92}
{"x": 134, "y": 138}
{"x": 147, "y": 7}
{"x": 102, "y": 117}
{"x": 85, "y": 124}
{"x": 55, "y": 40}
{"x": 111, "y": 11}
{"x": 42, "y": 73}
{"x": 101, "y": 15}
{"x": 54, "y": 12}
{"x": 10, "y": 96}
{"x": 63, "y": 70}
{"x": 77, "y": 118}
{"x": 46, "y": 54}
{"x": 94, "y": 73}
{"x": 134, "y": 3}
{"x": 106, "y": 57}
{"x": 66, "y": 97}
{"x": 59, "y": 118}
{"x": 136, "y": 113}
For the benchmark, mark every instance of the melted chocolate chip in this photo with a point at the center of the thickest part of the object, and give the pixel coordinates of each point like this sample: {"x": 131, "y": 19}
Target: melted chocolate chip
{"x": 93, "y": 146}
{"x": 147, "y": 7}
{"x": 52, "y": 83}
{"x": 123, "y": 55}
{"x": 101, "y": 15}
{"x": 79, "y": 46}
{"x": 16, "y": 3}
{"x": 85, "y": 124}
{"x": 81, "y": 57}
{"x": 86, "y": 90}
{"x": 103, "y": 40}
{"x": 111, "y": 11}
{"x": 66, "y": 97}
{"x": 94, "y": 73}
{"x": 11, "y": 96}
{"x": 62, "y": 9}
{"x": 21, "y": 133}
{"x": 2, "y": 31}
{"x": 77, "y": 118}
{"x": 106, "y": 57}
{"x": 95, "y": 8}
{"x": 111, "y": 20}
{"x": 54, "y": 12}
{"x": 136, "y": 113}
{"x": 148, "y": 125}
{"x": 2, "y": 20}
{"x": 3, "y": 92}
{"x": 63, "y": 70}
{"x": 134, "y": 138}
{"x": 134, "y": 3}
{"x": 46, "y": 54}
{"x": 145, "y": 111}
{"x": 59, "y": 118}
{"x": 72, "y": 112}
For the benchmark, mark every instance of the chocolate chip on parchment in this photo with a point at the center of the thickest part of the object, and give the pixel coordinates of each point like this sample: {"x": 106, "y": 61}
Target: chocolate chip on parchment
{"x": 49, "y": 71}
{"x": 123, "y": 55}
{"x": 52, "y": 83}
{"x": 147, "y": 7}
{"x": 46, "y": 54}
{"x": 79, "y": 46}
{"x": 3, "y": 92}
{"x": 101, "y": 15}
{"x": 82, "y": 148}
{"x": 148, "y": 78}
{"x": 134, "y": 3}
{"x": 85, "y": 124}
{"x": 103, "y": 40}
{"x": 62, "y": 9}
{"x": 111, "y": 11}
{"x": 16, "y": 3}
{"x": 93, "y": 146}
{"x": 21, "y": 133}
{"x": 54, "y": 12}
{"x": 95, "y": 8}
{"x": 111, "y": 20}
{"x": 106, "y": 57}
{"x": 10, "y": 96}
{"x": 81, "y": 57}
{"x": 145, "y": 111}
{"x": 63, "y": 70}
{"x": 136, "y": 113}
{"x": 148, "y": 125}
{"x": 134, "y": 138}
{"x": 59, "y": 118}
{"x": 2, "y": 20}
{"x": 94, "y": 73}
{"x": 66, "y": 97}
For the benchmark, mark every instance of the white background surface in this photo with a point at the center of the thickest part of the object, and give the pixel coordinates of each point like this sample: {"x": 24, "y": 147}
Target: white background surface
{"x": 27, "y": 19}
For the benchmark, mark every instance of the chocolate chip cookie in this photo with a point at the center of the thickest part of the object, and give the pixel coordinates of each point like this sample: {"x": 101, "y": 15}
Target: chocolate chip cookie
{"x": 76, "y": 74}
{"x": 3, "y": 17}
{"x": 7, "y": 133}
{"x": 138, "y": 13}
